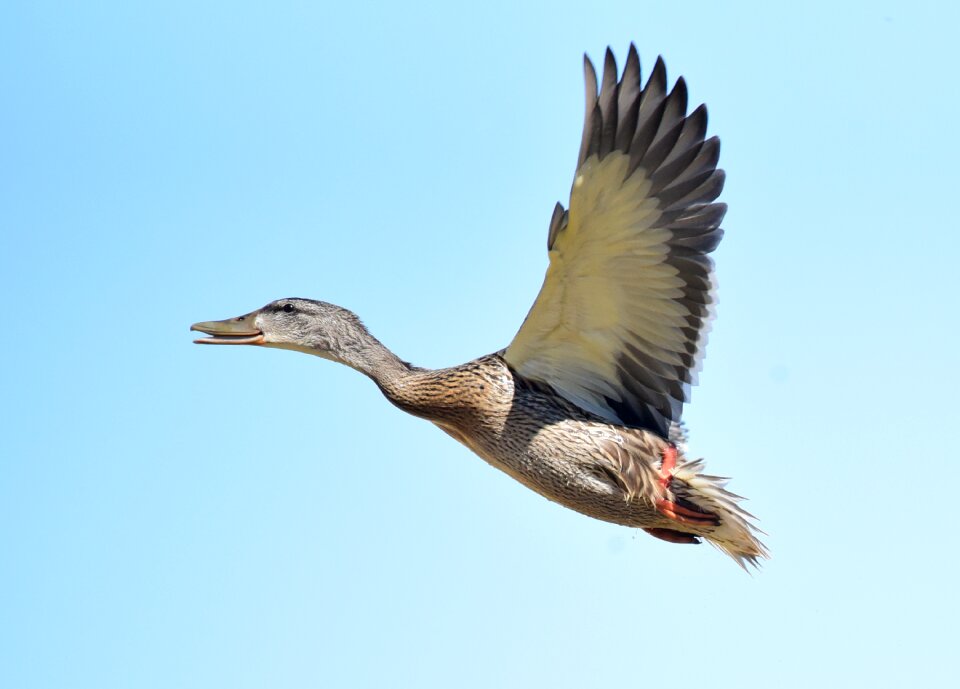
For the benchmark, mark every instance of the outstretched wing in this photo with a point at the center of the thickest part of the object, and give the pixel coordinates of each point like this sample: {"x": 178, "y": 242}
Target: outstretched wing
{"x": 618, "y": 326}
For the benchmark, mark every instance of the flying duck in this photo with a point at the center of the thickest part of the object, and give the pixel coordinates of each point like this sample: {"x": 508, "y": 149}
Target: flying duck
{"x": 584, "y": 405}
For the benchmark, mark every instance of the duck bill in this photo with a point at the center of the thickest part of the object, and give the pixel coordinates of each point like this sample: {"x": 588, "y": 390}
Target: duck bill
{"x": 233, "y": 331}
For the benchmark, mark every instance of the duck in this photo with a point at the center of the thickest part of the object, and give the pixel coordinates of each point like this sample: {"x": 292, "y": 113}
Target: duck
{"x": 584, "y": 405}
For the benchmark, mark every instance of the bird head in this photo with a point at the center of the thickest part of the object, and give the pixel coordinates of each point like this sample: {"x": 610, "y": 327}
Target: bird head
{"x": 314, "y": 327}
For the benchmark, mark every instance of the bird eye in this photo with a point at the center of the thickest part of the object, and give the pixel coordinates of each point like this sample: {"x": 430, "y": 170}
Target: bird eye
{"x": 288, "y": 308}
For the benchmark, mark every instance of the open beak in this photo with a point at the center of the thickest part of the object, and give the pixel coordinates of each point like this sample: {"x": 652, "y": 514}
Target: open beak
{"x": 233, "y": 331}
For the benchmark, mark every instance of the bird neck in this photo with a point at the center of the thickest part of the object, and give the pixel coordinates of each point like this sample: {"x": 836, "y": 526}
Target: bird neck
{"x": 373, "y": 359}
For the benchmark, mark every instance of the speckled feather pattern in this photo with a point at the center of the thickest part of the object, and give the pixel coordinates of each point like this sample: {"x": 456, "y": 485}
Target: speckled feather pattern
{"x": 567, "y": 455}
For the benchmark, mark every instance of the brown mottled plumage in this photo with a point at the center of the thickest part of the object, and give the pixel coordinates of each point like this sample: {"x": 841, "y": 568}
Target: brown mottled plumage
{"x": 584, "y": 405}
{"x": 562, "y": 452}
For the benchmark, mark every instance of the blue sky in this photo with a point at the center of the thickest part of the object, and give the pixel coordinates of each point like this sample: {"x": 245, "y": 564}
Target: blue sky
{"x": 177, "y": 516}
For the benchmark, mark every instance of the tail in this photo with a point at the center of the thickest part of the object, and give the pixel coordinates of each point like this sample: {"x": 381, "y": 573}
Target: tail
{"x": 736, "y": 534}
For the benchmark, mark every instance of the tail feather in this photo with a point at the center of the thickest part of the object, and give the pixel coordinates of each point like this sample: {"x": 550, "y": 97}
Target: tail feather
{"x": 736, "y": 535}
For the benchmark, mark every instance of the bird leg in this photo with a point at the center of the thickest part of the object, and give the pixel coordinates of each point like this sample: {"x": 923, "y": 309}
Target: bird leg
{"x": 683, "y": 511}
{"x": 672, "y": 536}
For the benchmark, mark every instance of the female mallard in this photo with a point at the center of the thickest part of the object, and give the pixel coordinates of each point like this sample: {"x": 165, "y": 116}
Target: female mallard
{"x": 584, "y": 405}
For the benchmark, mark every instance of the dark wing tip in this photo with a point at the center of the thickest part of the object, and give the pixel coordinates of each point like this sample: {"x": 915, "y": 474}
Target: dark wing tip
{"x": 557, "y": 222}
{"x": 659, "y": 74}
{"x": 609, "y": 65}
{"x": 590, "y": 76}
{"x": 590, "y": 118}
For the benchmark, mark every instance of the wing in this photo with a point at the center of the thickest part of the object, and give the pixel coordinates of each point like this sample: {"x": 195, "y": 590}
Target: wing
{"x": 618, "y": 327}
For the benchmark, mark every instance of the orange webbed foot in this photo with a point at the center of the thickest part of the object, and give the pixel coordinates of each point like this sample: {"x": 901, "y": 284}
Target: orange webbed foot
{"x": 685, "y": 512}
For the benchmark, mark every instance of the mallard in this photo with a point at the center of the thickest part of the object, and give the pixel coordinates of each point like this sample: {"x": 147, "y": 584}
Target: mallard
{"x": 584, "y": 405}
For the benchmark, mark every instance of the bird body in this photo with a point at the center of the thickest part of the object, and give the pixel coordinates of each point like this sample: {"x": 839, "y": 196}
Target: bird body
{"x": 567, "y": 455}
{"x": 584, "y": 405}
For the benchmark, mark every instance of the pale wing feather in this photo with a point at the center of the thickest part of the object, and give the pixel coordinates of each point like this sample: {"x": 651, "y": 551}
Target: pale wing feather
{"x": 617, "y": 326}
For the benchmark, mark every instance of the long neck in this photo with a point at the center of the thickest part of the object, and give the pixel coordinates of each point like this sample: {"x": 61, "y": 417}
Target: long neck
{"x": 367, "y": 354}
{"x": 414, "y": 390}
{"x": 446, "y": 396}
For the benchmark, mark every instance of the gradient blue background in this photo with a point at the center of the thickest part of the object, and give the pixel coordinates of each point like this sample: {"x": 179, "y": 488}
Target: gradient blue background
{"x": 177, "y": 516}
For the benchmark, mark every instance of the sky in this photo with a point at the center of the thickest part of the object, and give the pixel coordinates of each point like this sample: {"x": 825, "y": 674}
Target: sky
{"x": 183, "y": 516}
